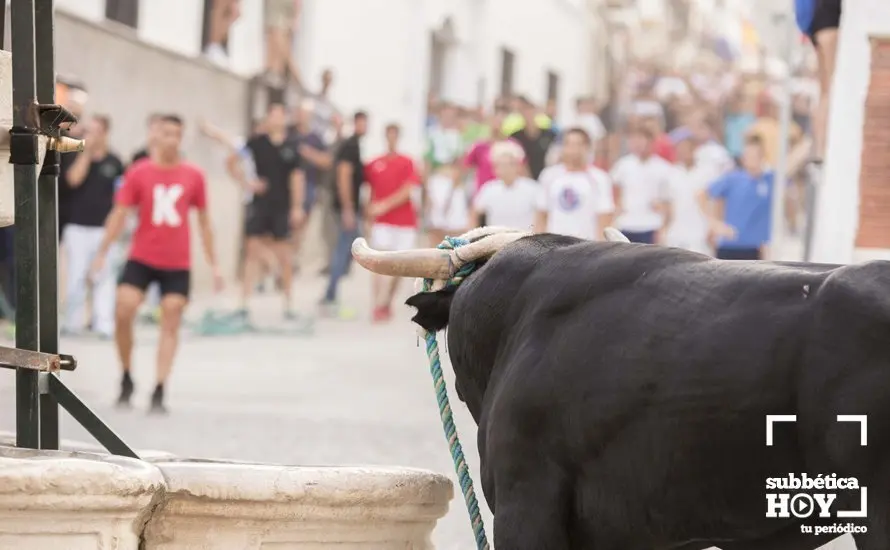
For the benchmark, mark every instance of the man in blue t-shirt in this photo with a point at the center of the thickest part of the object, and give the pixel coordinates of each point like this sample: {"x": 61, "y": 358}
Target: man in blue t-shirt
{"x": 742, "y": 225}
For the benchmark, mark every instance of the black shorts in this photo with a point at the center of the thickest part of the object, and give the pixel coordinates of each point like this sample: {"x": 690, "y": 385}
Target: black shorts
{"x": 170, "y": 281}
{"x": 738, "y": 253}
{"x": 826, "y": 15}
{"x": 643, "y": 237}
{"x": 266, "y": 220}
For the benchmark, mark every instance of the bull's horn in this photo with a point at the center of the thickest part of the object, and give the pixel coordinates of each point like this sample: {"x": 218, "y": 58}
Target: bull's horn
{"x": 615, "y": 236}
{"x": 487, "y": 247}
{"x": 485, "y": 231}
{"x": 427, "y": 263}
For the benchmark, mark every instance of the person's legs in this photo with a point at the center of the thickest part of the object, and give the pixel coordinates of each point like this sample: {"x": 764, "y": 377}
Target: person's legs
{"x": 404, "y": 238}
{"x": 253, "y": 260}
{"x": 340, "y": 260}
{"x": 826, "y": 21}
{"x": 173, "y": 304}
{"x": 380, "y": 237}
{"x": 77, "y": 246}
{"x": 738, "y": 253}
{"x": 284, "y": 254}
{"x": 103, "y": 289}
{"x": 130, "y": 294}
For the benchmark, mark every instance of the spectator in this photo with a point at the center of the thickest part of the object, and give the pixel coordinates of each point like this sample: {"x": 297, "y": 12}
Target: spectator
{"x": 350, "y": 178}
{"x": 710, "y": 156}
{"x": 534, "y": 140}
{"x": 74, "y": 99}
{"x": 326, "y": 196}
{"x": 280, "y": 17}
{"x": 315, "y": 155}
{"x": 92, "y": 178}
{"x": 820, "y": 20}
{"x": 324, "y": 110}
{"x": 686, "y": 226}
{"x": 738, "y": 207}
{"x": 445, "y": 143}
{"x": 662, "y": 144}
{"x": 223, "y": 14}
{"x": 574, "y": 198}
{"x": 508, "y": 201}
{"x": 276, "y": 206}
{"x": 768, "y": 130}
{"x": 739, "y": 118}
{"x": 447, "y": 203}
{"x": 517, "y": 119}
{"x": 641, "y": 181}
{"x": 392, "y": 179}
{"x": 550, "y": 112}
{"x": 479, "y": 156}
{"x": 588, "y": 120}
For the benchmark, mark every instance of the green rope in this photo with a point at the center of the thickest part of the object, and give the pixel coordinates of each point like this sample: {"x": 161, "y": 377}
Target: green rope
{"x": 457, "y": 453}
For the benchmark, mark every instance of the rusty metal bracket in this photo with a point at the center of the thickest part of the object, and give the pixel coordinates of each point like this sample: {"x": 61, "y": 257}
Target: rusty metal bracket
{"x": 14, "y": 358}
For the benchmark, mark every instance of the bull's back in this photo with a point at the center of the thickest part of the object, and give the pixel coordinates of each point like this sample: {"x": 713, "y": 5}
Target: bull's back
{"x": 665, "y": 365}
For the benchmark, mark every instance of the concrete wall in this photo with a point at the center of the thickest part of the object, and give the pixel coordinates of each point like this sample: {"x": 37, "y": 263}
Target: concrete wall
{"x": 53, "y": 500}
{"x": 128, "y": 79}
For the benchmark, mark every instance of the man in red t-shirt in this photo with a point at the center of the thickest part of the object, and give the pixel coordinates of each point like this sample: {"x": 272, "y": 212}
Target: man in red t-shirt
{"x": 392, "y": 179}
{"x": 161, "y": 190}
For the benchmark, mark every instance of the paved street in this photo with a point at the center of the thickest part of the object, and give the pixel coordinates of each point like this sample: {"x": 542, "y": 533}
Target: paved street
{"x": 351, "y": 394}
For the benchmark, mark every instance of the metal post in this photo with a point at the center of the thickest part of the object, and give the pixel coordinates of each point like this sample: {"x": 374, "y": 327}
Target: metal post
{"x": 778, "y": 205}
{"x": 26, "y": 262}
{"x": 47, "y": 219}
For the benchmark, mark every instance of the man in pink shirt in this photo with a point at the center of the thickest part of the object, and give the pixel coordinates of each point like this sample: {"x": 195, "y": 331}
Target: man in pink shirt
{"x": 479, "y": 158}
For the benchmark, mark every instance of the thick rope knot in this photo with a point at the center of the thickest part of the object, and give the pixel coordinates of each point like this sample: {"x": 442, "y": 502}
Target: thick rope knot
{"x": 457, "y": 453}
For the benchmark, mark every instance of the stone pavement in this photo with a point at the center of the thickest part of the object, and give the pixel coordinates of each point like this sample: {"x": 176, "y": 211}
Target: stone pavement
{"x": 351, "y": 394}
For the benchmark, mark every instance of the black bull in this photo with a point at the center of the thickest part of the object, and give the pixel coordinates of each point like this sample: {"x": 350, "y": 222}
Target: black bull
{"x": 621, "y": 393}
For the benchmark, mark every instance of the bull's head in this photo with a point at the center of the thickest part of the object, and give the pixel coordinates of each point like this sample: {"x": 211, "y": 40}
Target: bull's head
{"x": 435, "y": 263}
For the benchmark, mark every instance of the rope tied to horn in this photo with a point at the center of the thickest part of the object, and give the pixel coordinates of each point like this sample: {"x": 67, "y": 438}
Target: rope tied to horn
{"x": 457, "y": 453}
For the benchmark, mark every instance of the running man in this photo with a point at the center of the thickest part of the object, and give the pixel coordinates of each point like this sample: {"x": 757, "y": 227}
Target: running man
{"x": 276, "y": 207}
{"x": 160, "y": 190}
{"x": 392, "y": 179}
{"x": 574, "y": 198}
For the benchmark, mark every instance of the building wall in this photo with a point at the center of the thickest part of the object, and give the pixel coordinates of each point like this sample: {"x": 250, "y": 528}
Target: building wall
{"x": 176, "y": 25}
{"x": 838, "y": 207}
{"x": 387, "y": 71}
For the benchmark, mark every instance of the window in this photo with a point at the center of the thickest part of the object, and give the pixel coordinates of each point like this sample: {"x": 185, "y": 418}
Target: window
{"x": 508, "y": 62}
{"x": 123, "y": 11}
{"x": 552, "y": 86}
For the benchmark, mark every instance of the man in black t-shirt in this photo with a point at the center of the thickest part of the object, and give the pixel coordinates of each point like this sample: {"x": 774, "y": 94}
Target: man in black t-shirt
{"x": 276, "y": 205}
{"x": 91, "y": 178}
{"x": 349, "y": 177}
{"x": 534, "y": 140}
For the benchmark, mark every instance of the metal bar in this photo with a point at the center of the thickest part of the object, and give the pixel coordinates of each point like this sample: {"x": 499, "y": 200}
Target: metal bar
{"x": 47, "y": 218}
{"x": 26, "y": 263}
{"x": 777, "y": 232}
{"x": 13, "y": 358}
{"x": 87, "y": 418}
{"x": 3, "y": 27}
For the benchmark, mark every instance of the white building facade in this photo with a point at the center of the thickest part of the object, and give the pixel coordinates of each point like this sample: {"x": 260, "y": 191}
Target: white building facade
{"x": 383, "y": 53}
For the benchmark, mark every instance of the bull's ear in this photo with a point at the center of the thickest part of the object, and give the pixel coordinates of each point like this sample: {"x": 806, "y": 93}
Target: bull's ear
{"x": 433, "y": 308}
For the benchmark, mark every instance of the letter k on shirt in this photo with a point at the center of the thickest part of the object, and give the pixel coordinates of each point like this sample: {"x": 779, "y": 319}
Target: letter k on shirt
{"x": 163, "y": 197}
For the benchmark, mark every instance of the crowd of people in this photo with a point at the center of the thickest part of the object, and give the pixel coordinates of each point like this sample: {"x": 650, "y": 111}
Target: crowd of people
{"x": 671, "y": 159}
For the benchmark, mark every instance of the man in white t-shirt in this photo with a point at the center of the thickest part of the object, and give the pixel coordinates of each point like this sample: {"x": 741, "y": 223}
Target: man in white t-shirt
{"x": 642, "y": 181}
{"x": 509, "y": 200}
{"x": 711, "y": 158}
{"x": 574, "y": 198}
{"x": 687, "y": 227}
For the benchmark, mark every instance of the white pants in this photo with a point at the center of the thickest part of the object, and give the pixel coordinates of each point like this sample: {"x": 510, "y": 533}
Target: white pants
{"x": 393, "y": 238}
{"x": 81, "y": 243}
